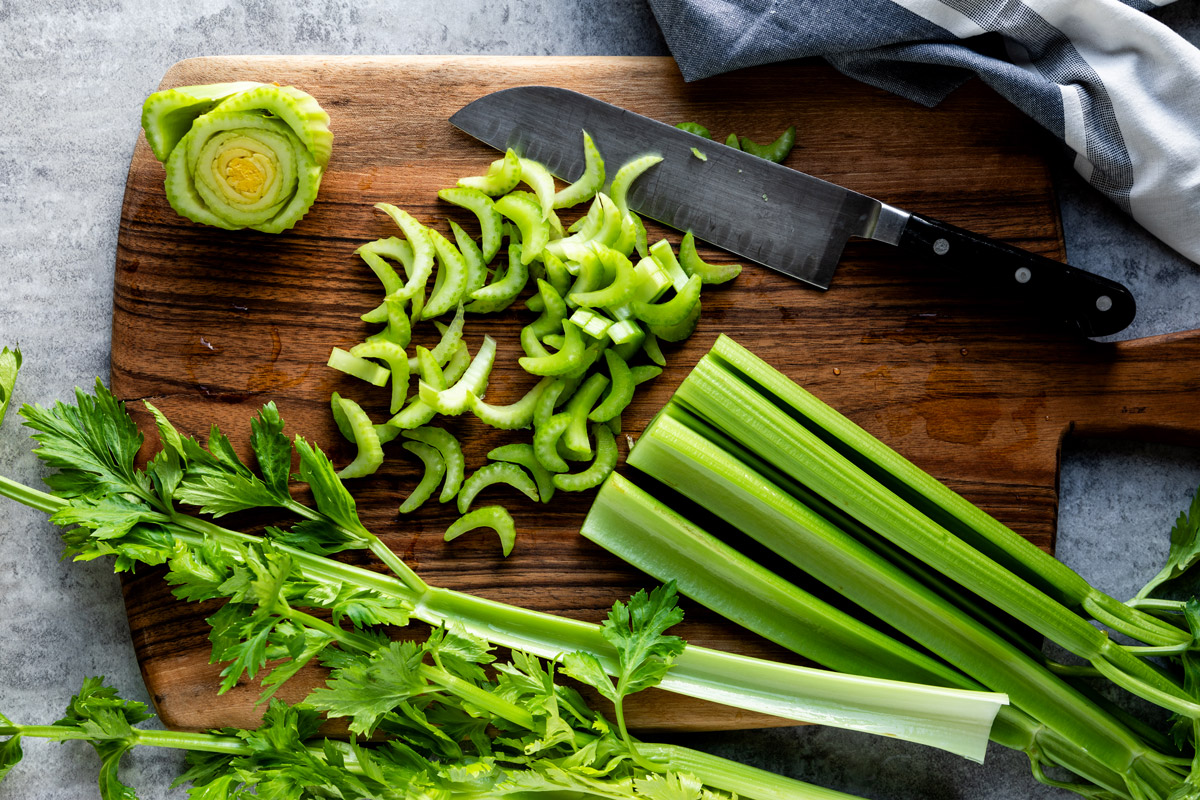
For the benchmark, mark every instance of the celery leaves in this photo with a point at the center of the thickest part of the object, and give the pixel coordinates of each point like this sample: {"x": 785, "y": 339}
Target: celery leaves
{"x": 1185, "y": 548}
{"x": 10, "y": 364}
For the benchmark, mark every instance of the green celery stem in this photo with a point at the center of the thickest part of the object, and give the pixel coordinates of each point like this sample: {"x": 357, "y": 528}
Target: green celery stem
{"x": 739, "y": 780}
{"x": 31, "y": 497}
{"x": 743, "y": 412}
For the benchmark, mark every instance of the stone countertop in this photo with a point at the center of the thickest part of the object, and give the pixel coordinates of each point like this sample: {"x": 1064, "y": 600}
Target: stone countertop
{"x": 73, "y": 75}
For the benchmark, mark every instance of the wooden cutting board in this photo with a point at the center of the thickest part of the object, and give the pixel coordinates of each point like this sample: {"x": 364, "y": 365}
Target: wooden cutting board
{"x": 210, "y": 325}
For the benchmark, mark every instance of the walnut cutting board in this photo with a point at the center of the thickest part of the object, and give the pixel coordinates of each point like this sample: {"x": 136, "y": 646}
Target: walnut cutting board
{"x": 212, "y": 324}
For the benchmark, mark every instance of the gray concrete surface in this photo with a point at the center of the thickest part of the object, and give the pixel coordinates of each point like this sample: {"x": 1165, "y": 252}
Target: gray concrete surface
{"x": 72, "y": 78}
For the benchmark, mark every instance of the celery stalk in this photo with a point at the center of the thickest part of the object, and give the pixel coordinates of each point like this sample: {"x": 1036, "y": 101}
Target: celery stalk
{"x": 938, "y": 501}
{"x": 742, "y": 411}
{"x": 684, "y": 460}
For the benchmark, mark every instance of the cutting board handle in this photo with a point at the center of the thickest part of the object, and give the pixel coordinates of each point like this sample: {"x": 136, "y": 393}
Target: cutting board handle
{"x": 1151, "y": 391}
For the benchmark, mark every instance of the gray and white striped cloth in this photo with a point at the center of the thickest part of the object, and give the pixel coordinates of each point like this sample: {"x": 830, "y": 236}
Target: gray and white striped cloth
{"x": 1121, "y": 89}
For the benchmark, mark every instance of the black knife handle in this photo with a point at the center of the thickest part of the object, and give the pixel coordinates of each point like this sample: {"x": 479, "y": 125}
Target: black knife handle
{"x": 1092, "y": 304}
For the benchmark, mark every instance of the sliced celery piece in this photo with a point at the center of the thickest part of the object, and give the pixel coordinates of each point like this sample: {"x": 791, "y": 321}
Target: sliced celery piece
{"x": 491, "y": 474}
{"x": 522, "y": 453}
{"x": 692, "y": 264}
{"x": 600, "y": 468}
{"x": 396, "y": 359}
{"x": 526, "y": 214}
{"x": 495, "y": 517}
{"x": 484, "y": 209}
{"x": 575, "y": 438}
{"x": 591, "y": 323}
{"x": 625, "y": 177}
{"x": 451, "y": 285}
{"x": 422, "y": 248}
{"x": 514, "y": 415}
{"x": 370, "y": 452}
{"x": 590, "y": 182}
{"x": 501, "y": 293}
{"x": 541, "y": 181}
{"x": 435, "y": 470}
{"x": 502, "y": 176}
{"x": 369, "y": 371}
{"x": 454, "y": 400}
{"x": 567, "y": 359}
{"x": 621, "y": 392}
{"x": 452, "y": 455}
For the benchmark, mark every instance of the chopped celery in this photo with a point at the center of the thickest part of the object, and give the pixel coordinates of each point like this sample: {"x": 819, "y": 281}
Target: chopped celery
{"x": 512, "y": 416}
{"x": 586, "y": 186}
{"x": 451, "y": 453}
{"x": 662, "y": 253}
{"x": 692, "y": 264}
{"x": 435, "y": 470}
{"x": 591, "y": 323}
{"x": 621, "y": 392}
{"x": 490, "y": 221}
{"x": 452, "y": 274}
{"x": 491, "y": 474}
{"x": 776, "y": 151}
{"x": 568, "y": 358}
{"x": 575, "y": 437}
{"x": 522, "y": 453}
{"x": 502, "y": 176}
{"x": 369, "y": 371}
{"x": 422, "y": 249}
{"x": 545, "y": 442}
{"x": 600, "y": 468}
{"x": 370, "y": 453}
{"x": 454, "y": 400}
{"x": 625, "y": 331}
{"x": 526, "y": 214}
{"x": 501, "y": 293}
{"x": 495, "y": 517}
{"x": 541, "y": 181}
{"x": 477, "y": 272}
{"x": 396, "y": 359}
{"x": 625, "y": 177}
{"x": 670, "y": 312}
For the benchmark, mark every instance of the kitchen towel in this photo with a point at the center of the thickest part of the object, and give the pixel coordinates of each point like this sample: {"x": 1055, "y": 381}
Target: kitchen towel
{"x": 1120, "y": 88}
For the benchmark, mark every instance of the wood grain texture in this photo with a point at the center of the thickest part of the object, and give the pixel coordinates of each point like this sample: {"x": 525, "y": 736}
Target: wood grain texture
{"x": 211, "y": 324}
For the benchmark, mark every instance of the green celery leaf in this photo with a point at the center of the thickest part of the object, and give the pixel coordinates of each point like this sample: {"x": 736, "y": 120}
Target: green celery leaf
{"x": 459, "y": 653}
{"x": 222, "y": 493}
{"x": 585, "y": 668}
{"x": 10, "y": 753}
{"x": 199, "y": 573}
{"x": 111, "y": 786}
{"x": 100, "y": 703}
{"x": 669, "y": 786}
{"x": 332, "y": 498}
{"x": 317, "y": 536}
{"x": 637, "y": 630}
{"x": 272, "y": 449}
{"x": 1185, "y": 547}
{"x": 93, "y": 444}
{"x": 169, "y": 438}
{"x": 111, "y": 517}
{"x": 10, "y": 364}
{"x": 370, "y": 687}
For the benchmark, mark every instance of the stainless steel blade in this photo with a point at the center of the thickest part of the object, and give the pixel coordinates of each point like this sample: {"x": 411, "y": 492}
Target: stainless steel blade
{"x": 770, "y": 214}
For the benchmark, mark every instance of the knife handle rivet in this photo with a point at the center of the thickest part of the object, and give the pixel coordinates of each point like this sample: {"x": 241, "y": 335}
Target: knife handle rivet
{"x": 941, "y": 247}
{"x": 1104, "y": 303}
{"x": 1023, "y": 275}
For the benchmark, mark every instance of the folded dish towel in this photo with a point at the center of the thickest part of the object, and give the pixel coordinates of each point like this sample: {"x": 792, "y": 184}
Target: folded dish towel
{"x": 1120, "y": 88}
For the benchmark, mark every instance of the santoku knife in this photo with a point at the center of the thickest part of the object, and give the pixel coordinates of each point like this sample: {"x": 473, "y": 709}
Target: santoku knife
{"x": 771, "y": 214}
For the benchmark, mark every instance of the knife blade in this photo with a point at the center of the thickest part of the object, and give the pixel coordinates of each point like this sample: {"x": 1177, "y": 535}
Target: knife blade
{"x": 794, "y": 223}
